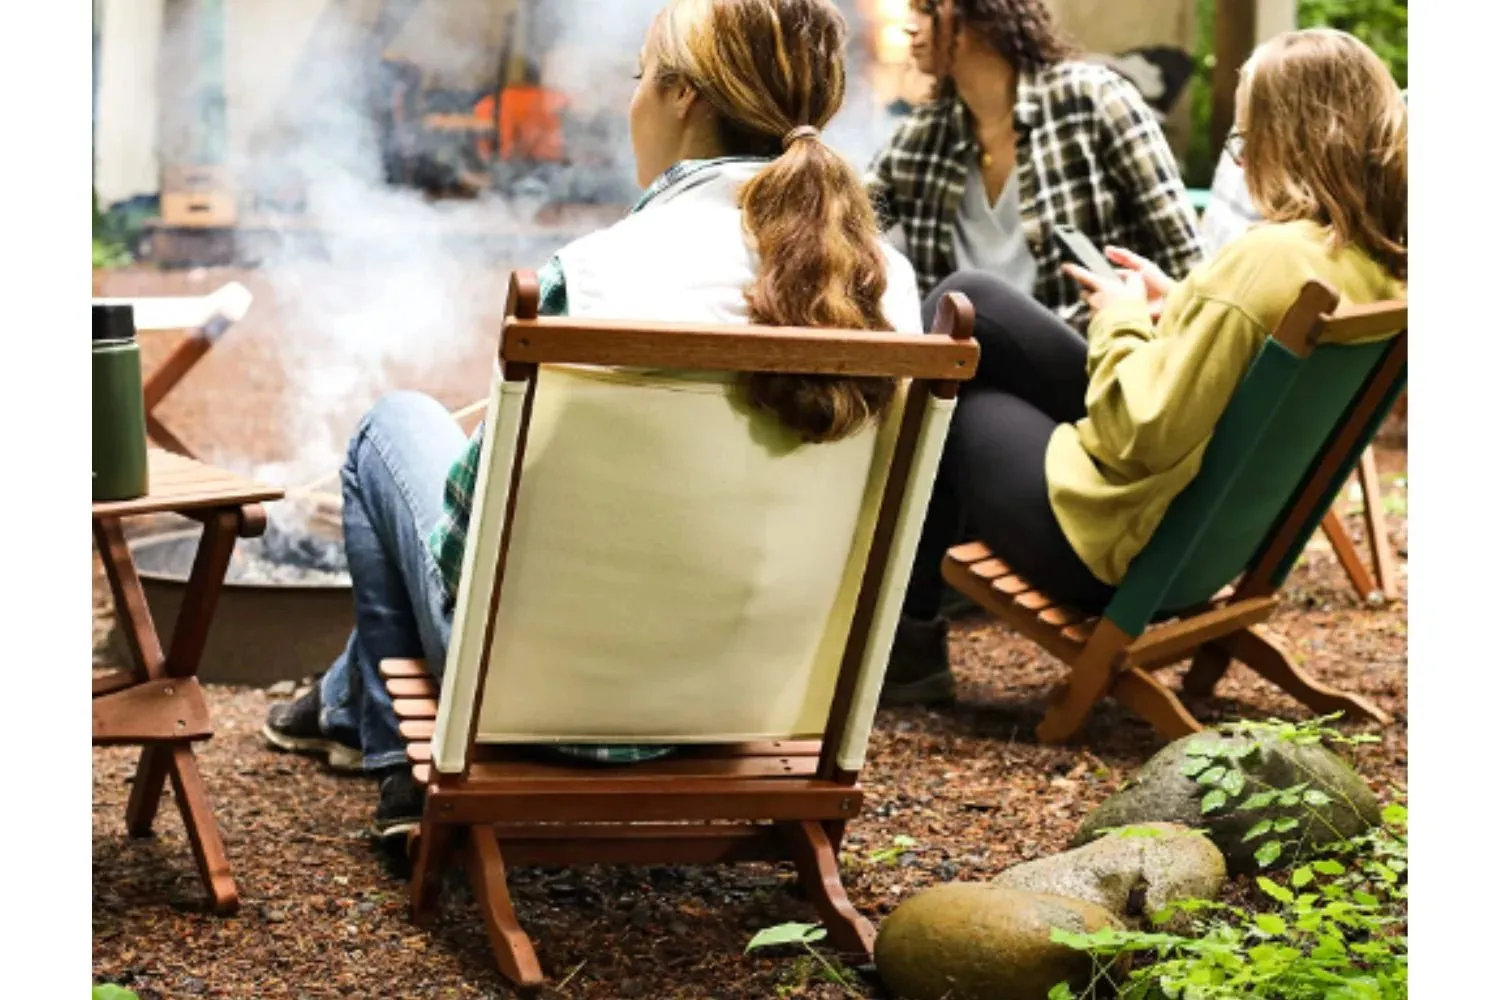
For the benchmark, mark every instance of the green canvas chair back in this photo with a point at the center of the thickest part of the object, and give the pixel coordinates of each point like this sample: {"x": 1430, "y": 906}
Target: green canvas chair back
{"x": 1286, "y": 444}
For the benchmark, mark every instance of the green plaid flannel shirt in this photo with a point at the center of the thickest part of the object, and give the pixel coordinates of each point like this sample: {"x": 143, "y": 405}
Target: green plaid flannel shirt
{"x": 448, "y": 538}
{"x": 1089, "y": 153}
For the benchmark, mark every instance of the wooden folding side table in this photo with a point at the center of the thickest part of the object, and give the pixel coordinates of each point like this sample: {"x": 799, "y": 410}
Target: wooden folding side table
{"x": 157, "y": 703}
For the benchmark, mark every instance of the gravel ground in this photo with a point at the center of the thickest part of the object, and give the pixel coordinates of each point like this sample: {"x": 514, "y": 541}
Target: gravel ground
{"x": 323, "y": 915}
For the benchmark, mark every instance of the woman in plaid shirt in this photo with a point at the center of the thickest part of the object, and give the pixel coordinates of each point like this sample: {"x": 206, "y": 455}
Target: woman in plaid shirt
{"x": 1020, "y": 137}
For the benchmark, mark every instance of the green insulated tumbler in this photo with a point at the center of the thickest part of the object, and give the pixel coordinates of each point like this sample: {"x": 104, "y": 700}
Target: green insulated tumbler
{"x": 119, "y": 409}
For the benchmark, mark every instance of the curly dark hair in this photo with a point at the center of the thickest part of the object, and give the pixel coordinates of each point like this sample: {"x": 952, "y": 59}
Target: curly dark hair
{"x": 1021, "y": 31}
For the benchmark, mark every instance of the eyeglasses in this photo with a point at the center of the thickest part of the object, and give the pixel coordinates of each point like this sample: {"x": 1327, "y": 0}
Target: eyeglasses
{"x": 1234, "y": 145}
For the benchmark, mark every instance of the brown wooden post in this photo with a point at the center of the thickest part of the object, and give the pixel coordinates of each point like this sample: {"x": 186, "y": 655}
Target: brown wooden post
{"x": 1234, "y": 40}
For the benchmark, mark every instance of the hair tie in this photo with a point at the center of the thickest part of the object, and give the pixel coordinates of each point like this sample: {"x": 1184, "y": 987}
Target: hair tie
{"x": 800, "y": 132}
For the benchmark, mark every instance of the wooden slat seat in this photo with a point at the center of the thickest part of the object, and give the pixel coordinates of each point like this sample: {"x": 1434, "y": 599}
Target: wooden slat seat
{"x": 412, "y": 687}
{"x": 415, "y": 708}
{"x": 417, "y": 729}
{"x": 1048, "y": 622}
{"x": 498, "y": 764}
{"x": 969, "y": 552}
{"x": 1025, "y": 608}
{"x": 390, "y": 669}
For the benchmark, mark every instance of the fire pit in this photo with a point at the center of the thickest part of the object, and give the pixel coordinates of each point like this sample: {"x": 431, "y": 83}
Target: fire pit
{"x": 285, "y": 611}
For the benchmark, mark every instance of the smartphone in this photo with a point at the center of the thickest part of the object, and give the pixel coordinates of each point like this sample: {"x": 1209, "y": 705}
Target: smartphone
{"x": 1075, "y": 247}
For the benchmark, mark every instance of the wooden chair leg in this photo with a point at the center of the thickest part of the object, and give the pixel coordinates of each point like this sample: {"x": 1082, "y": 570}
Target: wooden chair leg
{"x": 435, "y": 845}
{"x": 146, "y": 789}
{"x": 1348, "y": 556}
{"x": 818, "y": 871}
{"x": 1375, "y": 528}
{"x": 202, "y": 829}
{"x": 513, "y": 951}
{"x": 1088, "y": 681}
{"x": 1144, "y": 695}
{"x": 1265, "y": 656}
{"x": 1208, "y": 668}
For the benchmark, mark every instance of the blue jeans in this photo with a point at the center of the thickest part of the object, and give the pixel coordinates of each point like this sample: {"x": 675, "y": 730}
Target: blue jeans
{"x": 393, "y": 478}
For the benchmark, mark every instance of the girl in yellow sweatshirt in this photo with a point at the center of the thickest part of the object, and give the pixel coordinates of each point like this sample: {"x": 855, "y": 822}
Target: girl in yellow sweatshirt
{"x": 1064, "y": 453}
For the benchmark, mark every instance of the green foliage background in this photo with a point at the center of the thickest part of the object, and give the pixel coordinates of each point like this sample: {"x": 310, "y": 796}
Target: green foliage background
{"x": 1381, "y": 24}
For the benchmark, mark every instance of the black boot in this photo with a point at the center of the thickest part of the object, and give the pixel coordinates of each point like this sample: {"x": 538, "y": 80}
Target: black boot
{"x": 918, "y": 672}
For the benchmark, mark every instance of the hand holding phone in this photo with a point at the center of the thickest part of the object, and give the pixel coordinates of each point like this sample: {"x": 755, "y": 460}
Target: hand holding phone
{"x": 1077, "y": 249}
{"x": 1101, "y": 282}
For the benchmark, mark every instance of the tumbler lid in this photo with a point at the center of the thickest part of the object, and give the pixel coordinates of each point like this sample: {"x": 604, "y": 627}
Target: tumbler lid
{"x": 114, "y": 322}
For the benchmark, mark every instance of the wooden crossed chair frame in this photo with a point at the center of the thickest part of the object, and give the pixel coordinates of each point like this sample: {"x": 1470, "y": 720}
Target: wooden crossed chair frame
{"x": 551, "y": 616}
{"x": 1286, "y": 445}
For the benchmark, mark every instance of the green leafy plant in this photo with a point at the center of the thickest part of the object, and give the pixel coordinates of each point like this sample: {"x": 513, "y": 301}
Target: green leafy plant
{"x": 900, "y": 844}
{"x": 109, "y": 245}
{"x": 1332, "y": 925}
{"x": 1198, "y": 170}
{"x": 1218, "y": 767}
{"x": 108, "y": 991}
{"x": 805, "y": 935}
{"x": 1380, "y": 24}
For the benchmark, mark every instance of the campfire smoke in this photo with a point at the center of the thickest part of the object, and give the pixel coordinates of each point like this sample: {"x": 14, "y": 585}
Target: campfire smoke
{"x": 386, "y": 293}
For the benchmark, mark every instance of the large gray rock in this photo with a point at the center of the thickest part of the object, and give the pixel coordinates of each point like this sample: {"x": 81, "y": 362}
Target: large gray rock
{"x": 974, "y": 941}
{"x": 1132, "y": 873}
{"x": 1161, "y": 793}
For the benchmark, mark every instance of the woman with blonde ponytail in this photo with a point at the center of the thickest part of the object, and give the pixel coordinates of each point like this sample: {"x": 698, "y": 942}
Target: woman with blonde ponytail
{"x": 747, "y": 217}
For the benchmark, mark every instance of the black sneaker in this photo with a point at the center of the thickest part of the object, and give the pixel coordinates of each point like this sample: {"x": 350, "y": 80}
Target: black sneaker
{"x": 399, "y": 810}
{"x": 293, "y": 726}
{"x": 917, "y": 673}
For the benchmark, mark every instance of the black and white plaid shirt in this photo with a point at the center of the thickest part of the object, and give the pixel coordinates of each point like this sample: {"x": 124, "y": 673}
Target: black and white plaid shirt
{"x": 1089, "y": 153}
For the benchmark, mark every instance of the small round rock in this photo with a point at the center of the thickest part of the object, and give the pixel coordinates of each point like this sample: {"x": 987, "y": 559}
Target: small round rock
{"x": 976, "y": 941}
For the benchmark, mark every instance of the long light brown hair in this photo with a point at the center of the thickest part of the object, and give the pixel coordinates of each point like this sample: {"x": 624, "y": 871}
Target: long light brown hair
{"x": 1325, "y": 139}
{"x": 767, "y": 67}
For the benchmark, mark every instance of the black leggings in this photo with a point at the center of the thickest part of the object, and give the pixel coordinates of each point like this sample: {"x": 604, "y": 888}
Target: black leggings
{"x": 992, "y": 482}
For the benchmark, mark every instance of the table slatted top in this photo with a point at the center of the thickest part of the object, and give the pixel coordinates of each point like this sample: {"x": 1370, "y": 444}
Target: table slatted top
{"x": 177, "y": 483}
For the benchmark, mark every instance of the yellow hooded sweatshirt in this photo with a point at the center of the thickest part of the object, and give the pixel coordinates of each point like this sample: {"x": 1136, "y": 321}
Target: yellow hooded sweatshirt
{"x": 1155, "y": 393}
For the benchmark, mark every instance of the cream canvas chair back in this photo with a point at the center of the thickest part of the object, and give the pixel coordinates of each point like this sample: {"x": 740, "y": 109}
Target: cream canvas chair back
{"x": 679, "y": 568}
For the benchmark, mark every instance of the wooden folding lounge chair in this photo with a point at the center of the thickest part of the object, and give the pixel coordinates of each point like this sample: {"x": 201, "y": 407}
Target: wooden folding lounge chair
{"x": 1283, "y": 449}
{"x": 652, "y": 562}
{"x": 205, "y": 318}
